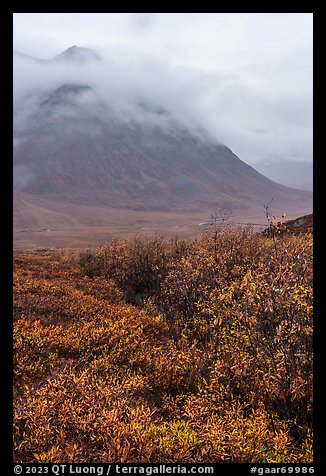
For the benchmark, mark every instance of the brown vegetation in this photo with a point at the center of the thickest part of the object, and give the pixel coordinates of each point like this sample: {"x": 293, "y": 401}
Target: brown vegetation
{"x": 175, "y": 351}
{"x": 302, "y": 224}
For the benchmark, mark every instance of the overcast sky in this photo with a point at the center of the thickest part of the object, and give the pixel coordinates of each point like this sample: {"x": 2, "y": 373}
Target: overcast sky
{"x": 246, "y": 77}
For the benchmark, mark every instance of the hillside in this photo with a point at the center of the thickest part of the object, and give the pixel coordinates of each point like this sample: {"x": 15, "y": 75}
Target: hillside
{"x": 74, "y": 148}
{"x": 298, "y": 225}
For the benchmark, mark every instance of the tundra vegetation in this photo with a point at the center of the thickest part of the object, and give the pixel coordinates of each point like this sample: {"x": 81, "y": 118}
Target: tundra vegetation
{"x": 166, "y": 351}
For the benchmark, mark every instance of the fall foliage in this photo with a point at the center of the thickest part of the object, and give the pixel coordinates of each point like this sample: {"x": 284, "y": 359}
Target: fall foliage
{"x": 174, "y": 351}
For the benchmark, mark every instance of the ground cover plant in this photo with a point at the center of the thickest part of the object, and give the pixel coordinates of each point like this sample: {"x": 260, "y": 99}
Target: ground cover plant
{"x": 166, "y": 351}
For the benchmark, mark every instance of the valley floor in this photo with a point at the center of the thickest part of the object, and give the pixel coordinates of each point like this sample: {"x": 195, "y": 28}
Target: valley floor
{"x": 47, "y": 223}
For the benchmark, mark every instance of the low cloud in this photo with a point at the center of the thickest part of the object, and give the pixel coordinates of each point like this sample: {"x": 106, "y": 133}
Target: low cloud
{"x": 245, "y": 78}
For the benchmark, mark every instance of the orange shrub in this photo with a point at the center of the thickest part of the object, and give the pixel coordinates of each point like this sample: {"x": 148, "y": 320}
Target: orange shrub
{"x": 215, "y": 364}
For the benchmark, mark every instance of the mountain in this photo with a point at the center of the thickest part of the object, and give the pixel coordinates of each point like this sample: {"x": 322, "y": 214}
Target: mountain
{"x": 74, "y": 54}
{"x": 76, "y": 149}
{"x": 77, "y": 54}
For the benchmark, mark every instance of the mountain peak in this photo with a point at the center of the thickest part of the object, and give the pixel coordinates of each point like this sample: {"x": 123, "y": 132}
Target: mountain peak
{"x": 78, "y": 54}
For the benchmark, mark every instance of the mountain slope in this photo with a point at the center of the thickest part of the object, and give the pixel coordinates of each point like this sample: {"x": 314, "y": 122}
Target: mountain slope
{"x": 77, "y": 148}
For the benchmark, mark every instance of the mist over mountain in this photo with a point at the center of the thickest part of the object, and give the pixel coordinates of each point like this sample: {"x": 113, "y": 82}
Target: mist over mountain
{"x": 78, "y": 55}
{"x": 293, "y": 173}
{"x": 85, "y": 136}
